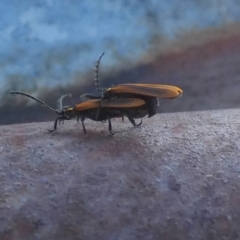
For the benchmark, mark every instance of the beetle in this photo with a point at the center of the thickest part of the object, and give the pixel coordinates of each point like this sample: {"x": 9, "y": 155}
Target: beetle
{"x": 148, "y": 92}
{"x": 110, "y": 109}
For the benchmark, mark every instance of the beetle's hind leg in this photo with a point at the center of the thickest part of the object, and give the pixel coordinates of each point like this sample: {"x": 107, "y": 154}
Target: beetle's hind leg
{"x": 83, "y": 126}
{"x": 110, "y": 126}
{"x": 133, "y": 122}
{"x": 139, "y": 124}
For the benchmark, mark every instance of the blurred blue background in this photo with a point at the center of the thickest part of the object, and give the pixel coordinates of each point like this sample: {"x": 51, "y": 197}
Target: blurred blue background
{"x": 50, "y": 44}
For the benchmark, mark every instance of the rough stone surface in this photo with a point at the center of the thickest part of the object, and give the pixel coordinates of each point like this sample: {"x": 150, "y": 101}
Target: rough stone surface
{"x": 175, "y": 177}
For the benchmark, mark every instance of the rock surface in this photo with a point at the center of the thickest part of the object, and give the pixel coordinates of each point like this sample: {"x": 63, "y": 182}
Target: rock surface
{"x": 175, "y": 177}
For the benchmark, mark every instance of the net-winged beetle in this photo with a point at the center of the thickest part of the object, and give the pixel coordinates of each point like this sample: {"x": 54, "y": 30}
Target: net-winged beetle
{"x": 109, "y": 109}
{"x": 147, "y": 92}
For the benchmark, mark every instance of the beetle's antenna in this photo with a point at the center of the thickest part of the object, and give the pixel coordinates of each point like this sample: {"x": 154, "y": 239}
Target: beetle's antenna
{"x": 96, "y": 79}
{"x": 36, "y": 99}
{"x": 59, "y": 101}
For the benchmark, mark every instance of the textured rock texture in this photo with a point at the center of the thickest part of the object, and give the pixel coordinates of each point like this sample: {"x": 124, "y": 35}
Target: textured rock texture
{"x": 175, "y": 177}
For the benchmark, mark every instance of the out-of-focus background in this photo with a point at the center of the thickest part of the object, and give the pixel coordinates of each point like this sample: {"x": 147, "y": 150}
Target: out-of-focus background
{"x": 49, "y": 48}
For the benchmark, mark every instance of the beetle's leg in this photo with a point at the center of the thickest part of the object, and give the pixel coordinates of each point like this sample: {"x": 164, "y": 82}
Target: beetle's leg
{"x": 55, "y": 125}
{"x": 133, "y": 122}
{"x": 110, "y": 126}
{"x": 59, "y": 119}
{"x": 139, "y": 124}
{"x": 83, "y": 126}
